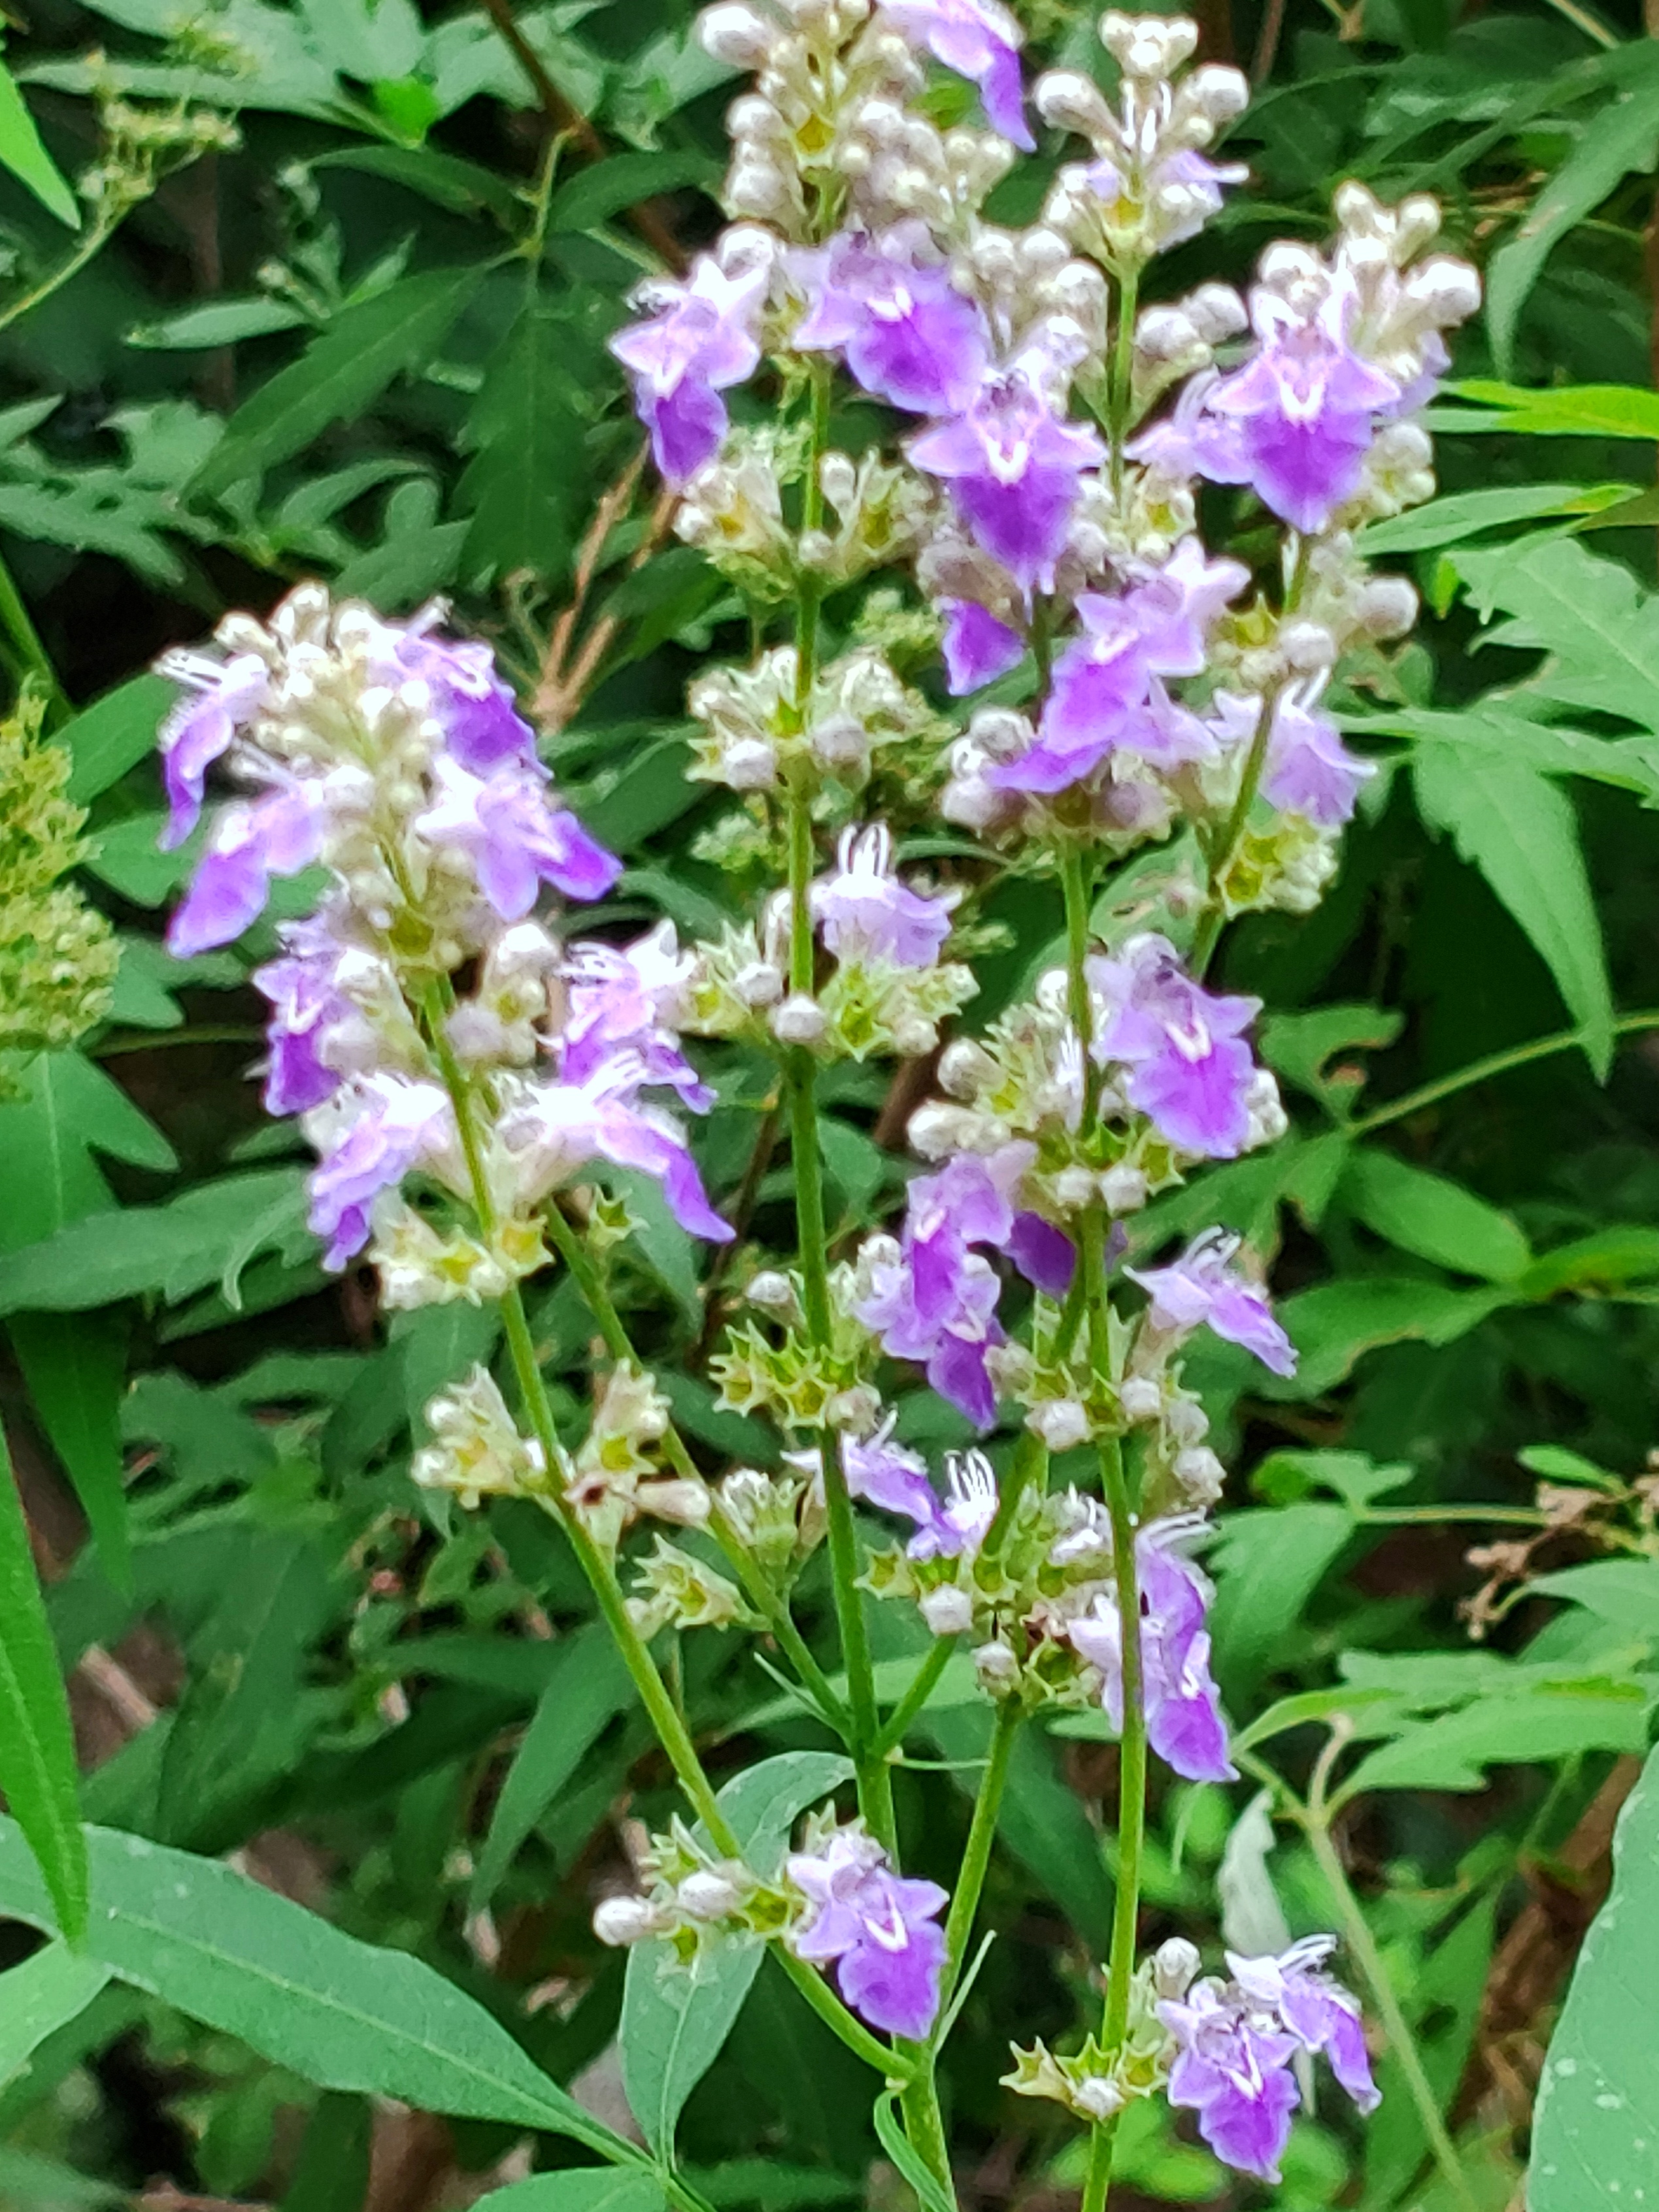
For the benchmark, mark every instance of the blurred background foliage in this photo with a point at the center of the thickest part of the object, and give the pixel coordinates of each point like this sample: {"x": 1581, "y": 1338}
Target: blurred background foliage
{"x": 331, "y": 300}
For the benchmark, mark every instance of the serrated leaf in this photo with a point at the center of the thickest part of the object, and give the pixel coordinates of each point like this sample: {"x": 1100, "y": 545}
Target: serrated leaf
{"x": 1520, "y": 831}
{"x": 1599, "y": 628}
{"x": 1621, "y": 136}
{"x": 1534, "y": 1727}
{"x": 1624, "y": 1592}
{"x": 337, "y": 2012}
{"x": 1432, "y": 1217}
{"x": 1300, "y": 1047}
{"x": 1593, "y": 2141}
{"x": 674, "y": 2023}
{"x": 342, "y": 372}
{"x": 37, "y": 1747}
{"x": 1506, "y": 735}
{"x": 524, "y": 433}
{"x": 170, "y": 1249}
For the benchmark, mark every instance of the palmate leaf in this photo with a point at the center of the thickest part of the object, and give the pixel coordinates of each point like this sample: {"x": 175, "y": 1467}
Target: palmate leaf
{"x": 1595, "y": 2144}
{"x": 1520, "y": 831}
{"x": 337, "y": 2012}
{"x": 524, "y": 485}
{"x": 1599, "y": 628}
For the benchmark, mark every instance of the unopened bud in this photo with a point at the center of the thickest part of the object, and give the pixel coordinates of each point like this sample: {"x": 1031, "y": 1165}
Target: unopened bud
{"x": 1174, "y": 1965}
{"x": 948, "y": 1612}
{"x": 620, "y": 1921}
{"x": 1217, "y": 92}
{"x": 1124, "y": 1188}
{"x": 799, "y": 1020}
{"x": 758, "y": 984}
{"x": 1140, "y": 1399}
{"x": 1075, "y": 1186}
{"x": 706, "y": 1896}
{"x": 734, "y": 34}
{"x": 996, "y": 1667}
{"x": 966, "y": 1069}
{"x": 1200, "y": 1474}
{"x": 749, "y": 764}
{"x": 1388, "y": 606}
{"x": 1308, "y": 647}
{"x": 1216, "y": 313}
{"x": 774, "y": 1293}
{"x": 1060, "y": 1422}
{"x": 1098, "y": 2096}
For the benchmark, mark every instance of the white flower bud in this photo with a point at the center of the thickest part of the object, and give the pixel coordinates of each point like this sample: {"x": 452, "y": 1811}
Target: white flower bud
{"x": 839, "y": 479}
{"x": 1449, "y": 290}
{"x": 1043, "y": 252}
{"x": 996, "y": 1667}
{"x": 840, "y": 741}
{"x": 758, "y": 984}
{"x": 799, "y": 1020}
{"x": 1099, "y": 2097}
{"x": 1187, "y": 1421}
{"x": 939, "y": 1128}
{"x": 1075, "y": 1187}
{"x": 1140, "y": 1398}
{"x": 1307, "y": 647}
{"x": 1124, "y": 1188}
{"x": 1060, "y": 1422}
{"x": 620, "y": 1921}
{"x": 774, "y": 1293}
{"x": 1217, "y": 313}
{"x": 855, "y": 1410}
{"x": 1174, "y": 1966}
{"x": 1164, "y": 334}
{"x": 1200, "y": 1474}
{"x": 948, "y": 1612}
{"x": 966, "y": 1069}
{"x": 1071, "y": 101}
{"x": 1149, "y": 46}
{"x": 749, "y": 764}
{"x": 1218, "y": 92}
{"x": 705, "y": 1895}
{"x": 734, "y": 34}
{"x": 1388, "y": 606}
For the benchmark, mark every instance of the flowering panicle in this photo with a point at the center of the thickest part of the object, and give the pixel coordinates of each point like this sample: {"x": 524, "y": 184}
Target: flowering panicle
{"x": 1049, "y": 674}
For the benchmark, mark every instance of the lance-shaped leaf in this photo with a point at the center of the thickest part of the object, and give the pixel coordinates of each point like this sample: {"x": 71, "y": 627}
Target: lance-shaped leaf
{"x": 37, "y": 1747}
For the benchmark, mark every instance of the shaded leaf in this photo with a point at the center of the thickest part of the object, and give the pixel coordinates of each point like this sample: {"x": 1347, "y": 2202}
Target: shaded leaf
{"x": 1435, "y": 1219}
{"x": 37, "y": 1749}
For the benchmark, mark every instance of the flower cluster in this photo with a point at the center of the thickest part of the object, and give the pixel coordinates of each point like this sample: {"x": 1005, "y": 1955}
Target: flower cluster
{"x": 412, "y": 1010}
{"x": 58, "y": 955}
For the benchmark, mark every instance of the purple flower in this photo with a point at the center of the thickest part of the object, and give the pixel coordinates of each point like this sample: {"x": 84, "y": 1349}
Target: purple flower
{"x": 482, "y": 725}
{"x": 222, "y": 699}
{"x": 1200, "y": 1289}
{"x": 935, "y": 1300}
{"x": 1305, "y": 406}
{"x": 1190, "y": 442}
{"x": 1107, "y": 695}
{"x": 1015, "y": 468}
{"x": 1183, "y": 1711}
{"x": 1183, "y": 189}
{"x": 888, "y": 1475}
{"x": 625, "y": 999}
{"x": 878, "y": 1930}
{"x": 305, "y": 1004}
{"x": 1236, "y": 2044}
{"x": 864, "y": 911}
{"x": 1179, "y": 1045}
{"x": 555, "y": 1129}
{"x": 276, "y": 835}
{"x": 371, "y": 1137}
{"x": 701, "y": 338}
{"x": 513, "y": 837}
{"x": 978, "y": 649}
{"x": 909, "y": 337}
{"x": 980, "y": 41}
{"x": 1308, "y": 769}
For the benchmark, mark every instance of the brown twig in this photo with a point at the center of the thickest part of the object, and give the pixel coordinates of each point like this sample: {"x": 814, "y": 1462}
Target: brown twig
{"x": 1273, "y": 25}
{"x": 560, "y": 691}
{"x": 647, "y": 218}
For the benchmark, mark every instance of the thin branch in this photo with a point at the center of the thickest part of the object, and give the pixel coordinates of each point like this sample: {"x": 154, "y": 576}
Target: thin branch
{"x": 558, "y": 694}
{"x": 570, "y": 122}
{"x": 1496, "y": 1063}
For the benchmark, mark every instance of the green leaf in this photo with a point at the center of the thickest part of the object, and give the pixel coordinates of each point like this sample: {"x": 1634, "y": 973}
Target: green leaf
{"x": 1520, "y": 831}
{"x": 857, "y": 1167}
{"x": 1594, "y": 2143}
{"x": 332, "y": 2171}
{"x": 1467, "y": 514}
{"x": 1336, "y": 1324}
{"x": 1602, "y": 1264}
{"x": 464, "y": 187}
{"x": 115, "y": 733}
{"x": 342, "y": 2014}
{"x": 675, "y": 2022}
{"x": 595, "y": 194}
{"x": 1435, "y": 1219}
{"x": 1543, "y": 1722}
{"x": 577, "y": 2188}
{"x": 76, "y": 1371}
{"x": 439, "y": 1344}
{"x": 39, "y": 1997}
{"x": 586, "y": 1688}
{"x": 1624, "y": 1592}
{"x": 1590, "y": 615}
{"x": 23, "y": 153}
{"x": 37, "y": 1747}
{"x": 340, "y": 374}
{"x": 1507, "y": 737}
{"x": 1300, "y": 1047}
{"x": 1589, "y": 410}
{"x": 219, "y": 323}
{"x": 174, "y": 1249}
{"x": 524, "y": 434}
{"x": 1267, "y": 1564}
{"x": 69, "y": 1110}
{"x": 1620, "y": 136}
{"x": 931, "y": 2193}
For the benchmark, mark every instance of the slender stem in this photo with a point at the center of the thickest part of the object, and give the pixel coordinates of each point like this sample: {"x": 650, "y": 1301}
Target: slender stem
{"x": 982, "y": 1831}
{"x": 1224, "y": 850}
{"x": 94, "y": 242}
{"x": 15, "y": 619}
{"x": 1402, "y": 2041}
{"x": 921, "y": 1689}
{"x": 1074, "y": 885}
{"x": 1430, "y": 1516}
{"x": 1496, "y": 1063}
{"x": 1121, "y": 397}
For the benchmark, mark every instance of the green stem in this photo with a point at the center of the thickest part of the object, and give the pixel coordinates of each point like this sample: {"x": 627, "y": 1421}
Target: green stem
{"x": 1496, "y": 1063}
{"x": 982, "y": 1831}
{"x": 1121, "y": 396}
{"x": 1401, "y": 2040}
{"x": 14, "y": 618}
{"x": 92, "y": 244}
{"x": 1074, "y": 886}
{"x": 1223, "y": 851}
{"x": 921, "y": 1689}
